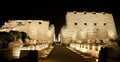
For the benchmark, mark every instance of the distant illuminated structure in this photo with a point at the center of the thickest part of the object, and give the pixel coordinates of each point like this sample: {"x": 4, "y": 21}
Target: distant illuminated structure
{"x": 37, "y": 29}
{"x": 88, "y": 26}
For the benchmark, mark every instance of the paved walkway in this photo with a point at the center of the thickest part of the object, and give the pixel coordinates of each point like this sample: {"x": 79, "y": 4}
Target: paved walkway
{"x": 63, "y": 54}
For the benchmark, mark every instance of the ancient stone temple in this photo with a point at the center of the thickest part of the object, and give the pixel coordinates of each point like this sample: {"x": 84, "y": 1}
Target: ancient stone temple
{"x": 88, "y": 26}
{"x": 41, "y": 35}
{"x": 37, "y": 29}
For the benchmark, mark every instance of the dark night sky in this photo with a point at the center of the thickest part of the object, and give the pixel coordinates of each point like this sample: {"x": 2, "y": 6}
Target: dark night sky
{"x": 55, "y": 11}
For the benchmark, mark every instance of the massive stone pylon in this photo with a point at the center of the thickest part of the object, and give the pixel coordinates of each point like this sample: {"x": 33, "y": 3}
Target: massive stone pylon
{"x": 40, "y": 30}
{"x": 88, "y": 25}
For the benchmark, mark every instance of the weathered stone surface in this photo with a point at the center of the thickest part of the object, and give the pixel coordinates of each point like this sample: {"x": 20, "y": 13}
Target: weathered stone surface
{"x": 37, "y": 29}
{"x": 88, "y": 25}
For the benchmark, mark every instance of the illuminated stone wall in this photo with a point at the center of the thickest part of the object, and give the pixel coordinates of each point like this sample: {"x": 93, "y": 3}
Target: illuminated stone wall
{"x": 36, "y": 29}
{"x": 89, "y": 25}
{"x": 68, "y": 35}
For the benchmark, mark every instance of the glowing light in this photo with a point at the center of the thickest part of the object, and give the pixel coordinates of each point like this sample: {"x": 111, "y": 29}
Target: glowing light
{"x": 84, "y": 50}
{"x": 96, "y": 60}
{"x": 77, "y": 47}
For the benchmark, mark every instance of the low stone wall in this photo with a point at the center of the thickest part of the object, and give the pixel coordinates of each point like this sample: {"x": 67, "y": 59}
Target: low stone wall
{"x": 87, "y": 48}
{"x": 16, "y": 50}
